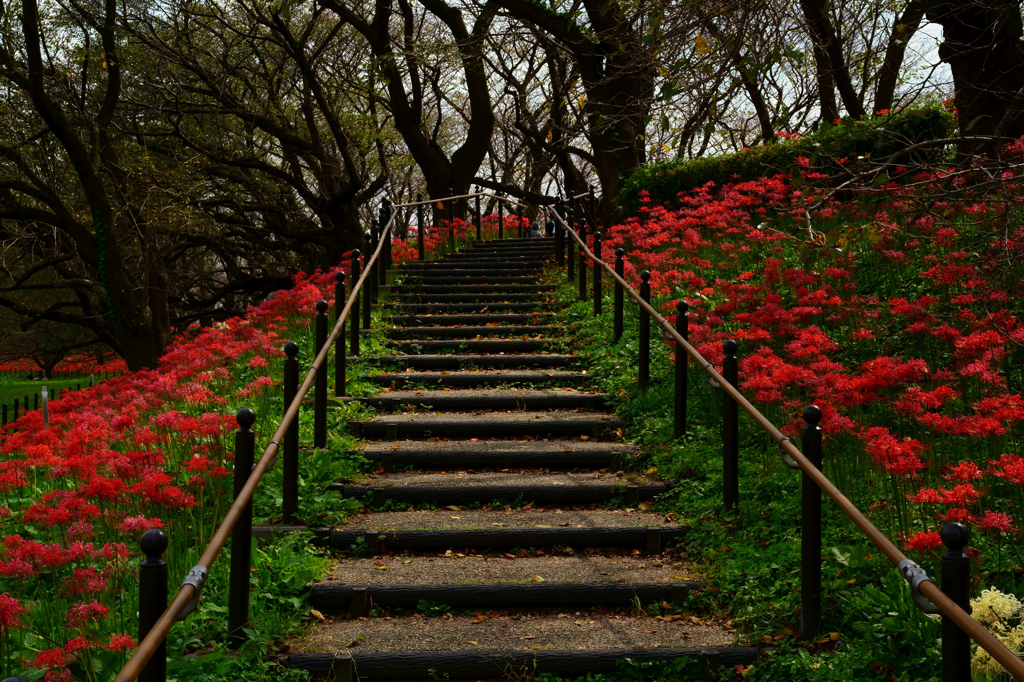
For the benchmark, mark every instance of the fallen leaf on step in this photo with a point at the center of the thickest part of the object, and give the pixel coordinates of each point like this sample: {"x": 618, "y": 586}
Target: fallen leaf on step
{"x": 567, "y": 523}
{"x": 354, "y": 642}
{"x": 469, "y": 641}
{"x": 454, "y": 517}
{"x": 526, "y": 637}
{"x": 539, "y": 525}
{"x": 452, "y": 507}
{"x": 448, "y": 553}
{"x": 537, "y": 579}
{"x": 474, "y": 440}
{"x": 317, "y": 615}
{"x": 606, "y": 574}
{"x": 407, "y": 561}
{"x": 510, "y": 556}
{"x": 498, "y": 524}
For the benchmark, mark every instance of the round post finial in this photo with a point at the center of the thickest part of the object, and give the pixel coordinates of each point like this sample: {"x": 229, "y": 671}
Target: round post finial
{"x": 291, "y": 349}
{"x": 245, "y": 418}
{"x": 367, "y": 235}
{"x": 619, "y": 253}
{"x": 955, "y": 537}
{"x": 356, "y": 253}
{"x": 645, "y": 276}
{"x": 339, "y": 276}
{"x": 682, "y": 307}
{"x": 321, "y": 306}
{"x": 153, "y": 544}
{"x": 812, "y": 414}
{"x": 730, "y": 347}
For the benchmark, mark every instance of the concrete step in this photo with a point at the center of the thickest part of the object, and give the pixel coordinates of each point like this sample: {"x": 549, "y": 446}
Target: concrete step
{"x": 473, "y": 332}
{"x": 488, "y": 399}
{"x": 472, "y": 319}
{"x": 479, "y": 378}
{"x": 498, "y": 657}
{"x": 465, "y": 362}
{"x": 471, "y": 345}
{"x": 487, "y": 425}
{"x": 443, "y": 308}
{"x": 498, "y": 454}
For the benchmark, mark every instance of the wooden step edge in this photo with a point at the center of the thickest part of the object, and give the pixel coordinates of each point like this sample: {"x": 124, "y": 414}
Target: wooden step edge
{"x": 359, "y": 599}
{"x": 652, "y": 539}
{"x": 506, "y": 664}
{"x": 463, "y": 494}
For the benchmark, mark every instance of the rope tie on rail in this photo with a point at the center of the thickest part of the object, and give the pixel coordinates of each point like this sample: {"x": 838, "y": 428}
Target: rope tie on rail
{"x": 196, "y": 578}
{"x": 915, "y": 575}
{"x": 712, "y": 382}
{"x": 787, "y": 460}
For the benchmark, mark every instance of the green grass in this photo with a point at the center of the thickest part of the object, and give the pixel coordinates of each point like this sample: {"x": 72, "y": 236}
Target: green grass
{"x": 16, "y": 389}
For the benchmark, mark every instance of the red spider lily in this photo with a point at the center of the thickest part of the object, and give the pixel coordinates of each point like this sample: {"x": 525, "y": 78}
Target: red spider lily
{"x": 964, "y": 472}
{"x": 122, "y": 643}
{"x": 922, "y": 542}
{"x": 926, "y": 496}
{"x": 85, "y": 613}
{"x": 996, "y": 521}
{"x": 1008, "y": 467}
{"x": 10, "y": 612}
{"x": 49, "y": 658}
{"x": 960, "y": 495}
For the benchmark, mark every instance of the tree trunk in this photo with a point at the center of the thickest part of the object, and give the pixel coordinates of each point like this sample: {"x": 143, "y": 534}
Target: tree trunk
{"x": 902, "y": 31}
{"x": 824, "y": 36}
{"x": 982, "y": 45}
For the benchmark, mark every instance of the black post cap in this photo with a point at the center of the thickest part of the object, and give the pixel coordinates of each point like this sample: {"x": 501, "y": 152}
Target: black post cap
{"x": 597, "y": 235}
{"x": 245, "y": 418}
{"x": 619, "y": 253}
{"x": 955, "y": 536}
{"x": 419, "y": 196}
{"x": 291, "y": 349}
{"x": 367, "y": 235}
{"x": 339, "y": 276}
{"x": 356, "y": 253}
{"x": 812, "y": 414}
{"x": 645, "y": 276}
{"x": 730, "y": 347}
{"x": 321, "y": 306}
{"x": 153, "y": 543}
{"x": 682, "y": 307}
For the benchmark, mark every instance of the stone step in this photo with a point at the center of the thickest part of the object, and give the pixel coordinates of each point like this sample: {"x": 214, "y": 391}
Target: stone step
{"x": 442, "y": 308}
{"x": 465, "y": 362}
{"x": 488, "y": 399}
{"x": 473, "y": 319}
{"x": 466, "y": 297}
{"x": 549, "y": 494}
{"x": 487, "y": 425}
{"x": 500, "y": 254}
{"x": 471, "y": 345}
{"x": 479, "y": 378}
{"x": 499, "y": 454}
{"x": 472, "y": 332}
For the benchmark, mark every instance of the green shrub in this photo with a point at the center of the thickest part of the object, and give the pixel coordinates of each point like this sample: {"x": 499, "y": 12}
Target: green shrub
{"x": 874, "y": 137}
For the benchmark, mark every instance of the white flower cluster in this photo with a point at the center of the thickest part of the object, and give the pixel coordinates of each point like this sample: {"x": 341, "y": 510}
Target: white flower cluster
{"x": 1002, "y": 615}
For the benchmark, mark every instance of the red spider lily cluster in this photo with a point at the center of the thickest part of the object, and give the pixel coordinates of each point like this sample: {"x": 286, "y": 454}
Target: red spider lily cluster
{"x": 82, "y": 362}
{"x": 897, "y": 316}
{"x": 146, "y": 450}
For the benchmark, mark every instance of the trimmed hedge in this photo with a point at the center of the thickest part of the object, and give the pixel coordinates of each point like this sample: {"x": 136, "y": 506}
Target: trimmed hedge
{"x": 877, "y": 136}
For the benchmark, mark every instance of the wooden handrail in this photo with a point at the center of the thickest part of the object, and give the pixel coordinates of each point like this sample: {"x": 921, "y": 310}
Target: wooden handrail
{"x": 928, "y": 589}
{"x": 179, "y": 606}
{"x": 511, "y": 202}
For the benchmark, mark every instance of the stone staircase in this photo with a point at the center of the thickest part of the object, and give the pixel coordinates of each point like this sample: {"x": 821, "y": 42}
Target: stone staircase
{"x": 501, "y": 536}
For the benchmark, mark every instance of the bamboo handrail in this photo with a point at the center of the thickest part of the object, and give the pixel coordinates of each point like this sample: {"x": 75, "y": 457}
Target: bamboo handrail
{"x": 187, "y": 592}
{"x": 929, "y": 589}
{"x": 471, "y": 195}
